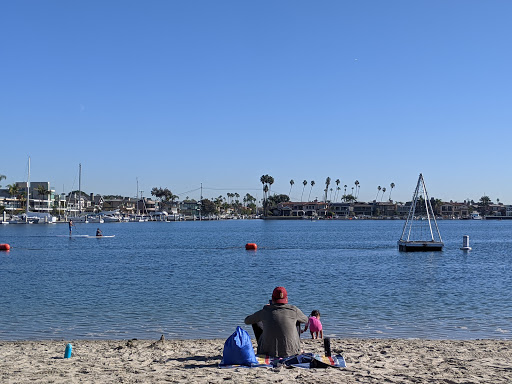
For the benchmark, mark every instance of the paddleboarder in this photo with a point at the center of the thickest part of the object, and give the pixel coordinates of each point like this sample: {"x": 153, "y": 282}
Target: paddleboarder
{"x": 98, "y": 233}
{"x": 71, "y": 225}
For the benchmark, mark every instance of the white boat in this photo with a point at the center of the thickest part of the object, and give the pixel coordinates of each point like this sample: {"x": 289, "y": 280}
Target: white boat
{"x": 159, "y": 216}
{"x": 111, "y": 218}
{"x": 95, "y": 219}
{"x": 175, "y": 217}
{"x": 415, "y": 233}
{"x": 23, "y": 220}
{"x": 139, "y": 218}
{"x": 41, "y": 217}
{"x": 80, "y": 219}
{"x": 476, "y": 216}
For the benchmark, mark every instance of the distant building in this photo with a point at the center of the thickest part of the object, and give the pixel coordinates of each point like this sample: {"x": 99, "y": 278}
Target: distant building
{"x": 362, "y": 209}
{"x": 307, "y": 209}
{"x": 454, "y": 210}
{"x": 342, "y": 209}
{"x": 190, "y": 208}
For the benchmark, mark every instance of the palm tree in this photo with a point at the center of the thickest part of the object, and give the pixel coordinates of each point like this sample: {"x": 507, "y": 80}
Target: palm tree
{"x": 337, "y": 185}
{"x": 264, "y": 181}
{"x": 392, "y": 185}
{"x": 327, "y": 183}
{"x": 383, "y": 192}
{"x": 22, "y": 197}
{"x": 338, "y": 189}
{"x": 437, "y": 205}
{"x": 378, "y": 191}
{"x": 357, "y": 188}
{"x": 312, "y": 185}
{"x": 270, "y": 182}
{"x": 2, "y": 177}
{"x": 291, "y": 185}
{"x": 267, "y": 182}
{"x": 304, "y": 183}
{"x": 42, "y": 190}
{"x": 13, "y": 189}
{"x": 345, "y": 189}
{"x": 265, "y": 201}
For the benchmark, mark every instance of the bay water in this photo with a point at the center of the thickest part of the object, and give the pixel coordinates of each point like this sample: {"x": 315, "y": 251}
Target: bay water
{"x": 191, "y": 280}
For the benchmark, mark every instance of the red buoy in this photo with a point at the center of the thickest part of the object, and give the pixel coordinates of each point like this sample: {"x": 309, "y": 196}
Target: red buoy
{"x": 251, "y": 246}
{"x": 5, "y": 247}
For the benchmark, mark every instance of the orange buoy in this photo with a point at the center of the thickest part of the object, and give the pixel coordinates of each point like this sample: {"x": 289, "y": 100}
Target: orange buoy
{"x": 251, "y": 246}
{"x": 5, "y": 247}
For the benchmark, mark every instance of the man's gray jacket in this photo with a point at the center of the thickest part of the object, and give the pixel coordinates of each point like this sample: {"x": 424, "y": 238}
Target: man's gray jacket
{"x": 280, "y": 337}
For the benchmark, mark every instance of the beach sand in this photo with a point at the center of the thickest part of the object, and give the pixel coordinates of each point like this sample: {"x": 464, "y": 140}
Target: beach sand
{"x": 196, "y": 361}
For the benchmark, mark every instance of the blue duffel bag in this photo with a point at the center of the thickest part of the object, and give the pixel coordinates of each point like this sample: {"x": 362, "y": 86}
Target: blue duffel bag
{"x": 238, "y": 349}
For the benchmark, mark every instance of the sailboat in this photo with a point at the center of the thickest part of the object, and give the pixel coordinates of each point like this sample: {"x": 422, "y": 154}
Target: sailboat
{"x": 24, "y": 218}
{"x": 418, "y": 233}
{"x": 77, "y": 216}
{"x": 35, "y": 217}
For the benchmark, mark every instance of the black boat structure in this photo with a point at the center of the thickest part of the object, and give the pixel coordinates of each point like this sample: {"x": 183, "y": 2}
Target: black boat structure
{"x": 420, "y": 233}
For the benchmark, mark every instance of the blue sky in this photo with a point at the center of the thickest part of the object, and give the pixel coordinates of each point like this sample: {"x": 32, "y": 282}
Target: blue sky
{"x": 179, "y": 93}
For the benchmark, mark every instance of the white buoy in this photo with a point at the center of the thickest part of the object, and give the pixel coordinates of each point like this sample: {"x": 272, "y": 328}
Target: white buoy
{"x": 465, "y": 243}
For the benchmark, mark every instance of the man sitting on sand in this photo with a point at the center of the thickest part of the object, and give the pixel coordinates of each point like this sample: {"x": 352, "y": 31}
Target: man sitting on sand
{"x": 278, "y": 335}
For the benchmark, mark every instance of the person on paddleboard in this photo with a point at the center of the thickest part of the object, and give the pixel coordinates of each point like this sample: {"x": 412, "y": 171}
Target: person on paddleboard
{"x": 71, "y": 225}
{"x": 98, "y": 233}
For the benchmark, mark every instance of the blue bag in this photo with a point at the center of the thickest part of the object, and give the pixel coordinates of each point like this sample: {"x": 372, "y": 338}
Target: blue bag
{"x": 238, "y": 349}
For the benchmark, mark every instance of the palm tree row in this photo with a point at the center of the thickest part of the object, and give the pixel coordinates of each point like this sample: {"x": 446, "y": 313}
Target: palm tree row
{"x": 383, "y": 189}
{"x": 267, "y": 181}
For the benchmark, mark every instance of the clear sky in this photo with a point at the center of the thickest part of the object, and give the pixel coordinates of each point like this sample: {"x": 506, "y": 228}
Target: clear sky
{"x": 179, "y": 93}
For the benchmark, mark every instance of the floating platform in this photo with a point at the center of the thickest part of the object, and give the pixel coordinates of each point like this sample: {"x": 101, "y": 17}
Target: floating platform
{"x": 415, "y": 235}
{"x": 420, "y": 246}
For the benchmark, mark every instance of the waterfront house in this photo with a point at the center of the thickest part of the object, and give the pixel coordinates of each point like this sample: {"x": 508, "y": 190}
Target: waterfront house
{"x": 361, "y": 209}
{"x": 123, "y": 204}
{"x": 190, "y": 208}
{"x": 384, "y": 208}
{"x": 342, "y": 209}
{"x": 308, "y": 209}
{"x": 454, "y": 210}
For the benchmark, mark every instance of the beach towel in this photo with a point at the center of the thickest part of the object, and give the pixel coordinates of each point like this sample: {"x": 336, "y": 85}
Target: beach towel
{"x": 238, "y": 350}
{"x": 305, "y": 360}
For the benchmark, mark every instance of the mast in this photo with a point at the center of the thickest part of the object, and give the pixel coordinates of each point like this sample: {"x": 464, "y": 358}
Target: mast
{"x": 28, "y": 187}
{"x": 80, "y": 188}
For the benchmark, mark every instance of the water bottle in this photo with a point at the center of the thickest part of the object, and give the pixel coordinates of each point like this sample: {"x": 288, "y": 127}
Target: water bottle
{"x": 327, "y": 346}
{"x": 68, "y": 351}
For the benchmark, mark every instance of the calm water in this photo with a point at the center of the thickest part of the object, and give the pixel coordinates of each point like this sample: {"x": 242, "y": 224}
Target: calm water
{"x": 195, "y": 279}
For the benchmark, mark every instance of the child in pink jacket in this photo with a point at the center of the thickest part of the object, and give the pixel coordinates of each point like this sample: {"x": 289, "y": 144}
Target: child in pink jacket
{"x": 314, "y": 325}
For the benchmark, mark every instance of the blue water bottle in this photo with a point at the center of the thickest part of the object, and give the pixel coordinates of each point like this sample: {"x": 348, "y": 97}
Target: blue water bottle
{"x": 68, "y": 351}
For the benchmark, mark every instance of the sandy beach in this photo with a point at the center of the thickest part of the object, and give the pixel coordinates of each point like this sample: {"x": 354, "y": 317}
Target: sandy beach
{"x": 196, "y": 361}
